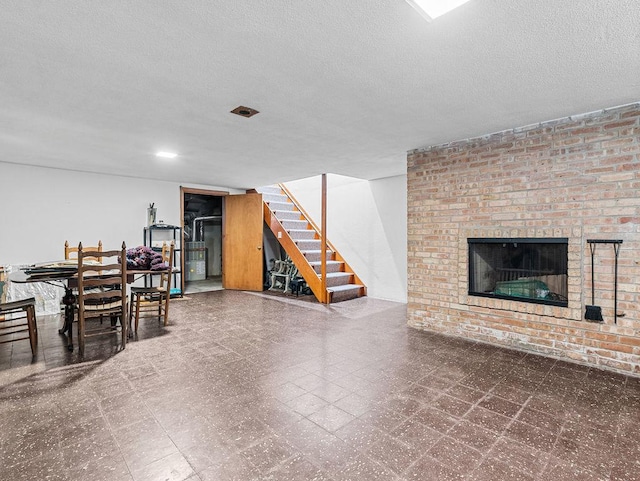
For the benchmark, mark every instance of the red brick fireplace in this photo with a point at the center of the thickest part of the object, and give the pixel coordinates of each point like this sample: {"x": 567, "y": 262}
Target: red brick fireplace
{"x": 573, "y": 179}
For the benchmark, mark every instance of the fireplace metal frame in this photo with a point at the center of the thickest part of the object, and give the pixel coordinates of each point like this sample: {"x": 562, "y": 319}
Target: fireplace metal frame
{"x": 513, "y": 240}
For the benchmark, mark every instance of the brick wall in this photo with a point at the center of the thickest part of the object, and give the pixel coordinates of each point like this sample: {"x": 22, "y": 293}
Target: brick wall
{"x": 578, "y": 178}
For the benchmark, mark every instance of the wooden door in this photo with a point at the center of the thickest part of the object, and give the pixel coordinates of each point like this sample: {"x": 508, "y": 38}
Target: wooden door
{"x": 242, "y": 266}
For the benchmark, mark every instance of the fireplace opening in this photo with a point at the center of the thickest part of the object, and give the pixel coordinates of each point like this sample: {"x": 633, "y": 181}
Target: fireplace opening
{"x": 524, "y": 269}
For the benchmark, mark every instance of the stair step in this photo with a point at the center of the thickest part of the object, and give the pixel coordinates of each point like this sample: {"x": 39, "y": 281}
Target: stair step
{"x": 345, "y": 287}
{"x": 269, "y": 189}
{"x": 281, "y": 206}
{"x": 332, "y": 266}
{"x": 300, "y": 234}
{"x": 345, "y": 292}
{"x": 297, "y": 224}
{"x": 314, "y": 255}
{"x": 309, "y": 244}
{"x": 338, "y": 279}
{"x": 274, "y": 198}
{"x": 286, "y": 214}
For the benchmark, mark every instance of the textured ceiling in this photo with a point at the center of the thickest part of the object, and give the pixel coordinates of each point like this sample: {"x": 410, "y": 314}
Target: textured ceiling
{"x": 93, "y": 86}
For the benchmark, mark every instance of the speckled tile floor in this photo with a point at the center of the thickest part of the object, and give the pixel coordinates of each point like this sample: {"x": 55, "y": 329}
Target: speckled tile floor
{"x": 244, "y": 386}
{"x": 205, "y": 285}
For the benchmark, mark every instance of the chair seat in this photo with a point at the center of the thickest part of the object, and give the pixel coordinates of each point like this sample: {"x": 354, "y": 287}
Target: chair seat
{"x": 102, "y": 306}
{"x": 24, "y": 322}
{"x": 7, "y": 307}
{"x": 148, "y": 290}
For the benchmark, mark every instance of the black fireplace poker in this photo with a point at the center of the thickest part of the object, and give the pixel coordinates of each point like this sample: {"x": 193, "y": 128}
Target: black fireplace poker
{"x": 593, "y": 313}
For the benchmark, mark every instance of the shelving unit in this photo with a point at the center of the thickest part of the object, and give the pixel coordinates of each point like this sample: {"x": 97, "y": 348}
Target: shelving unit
{"x": 155, "y": 236}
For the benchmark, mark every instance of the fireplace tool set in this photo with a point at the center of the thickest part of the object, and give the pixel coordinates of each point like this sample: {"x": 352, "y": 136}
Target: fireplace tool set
{"x": 593, "y": 313}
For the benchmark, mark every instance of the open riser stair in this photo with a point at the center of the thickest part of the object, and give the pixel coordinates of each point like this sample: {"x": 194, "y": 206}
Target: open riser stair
{"x": 301, "y": 241}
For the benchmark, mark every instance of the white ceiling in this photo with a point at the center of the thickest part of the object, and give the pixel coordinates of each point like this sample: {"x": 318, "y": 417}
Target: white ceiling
{"x": 101, "y": 85}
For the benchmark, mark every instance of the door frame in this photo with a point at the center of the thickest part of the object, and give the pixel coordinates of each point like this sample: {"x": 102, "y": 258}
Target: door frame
{"x": 190, "y": 190}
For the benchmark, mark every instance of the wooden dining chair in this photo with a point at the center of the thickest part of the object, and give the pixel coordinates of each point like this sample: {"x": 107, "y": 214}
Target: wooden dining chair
{"x": 153, "y": 301}
{"x": 102, "y": 293}
{"x": 17, "y": 318}
{"x": 72, "y": 252}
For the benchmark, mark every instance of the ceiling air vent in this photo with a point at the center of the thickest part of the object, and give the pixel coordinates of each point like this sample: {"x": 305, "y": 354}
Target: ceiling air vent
{"x": 244, "y": 111}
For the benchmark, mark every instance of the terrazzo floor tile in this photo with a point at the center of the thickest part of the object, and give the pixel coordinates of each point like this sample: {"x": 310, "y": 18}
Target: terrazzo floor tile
{"x": 258, "y": 387}
{"x": 429, "y": 468}
{"x": 364, "y": 469}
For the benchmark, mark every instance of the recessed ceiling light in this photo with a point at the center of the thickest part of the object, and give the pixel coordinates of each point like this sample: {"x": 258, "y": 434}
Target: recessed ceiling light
{"x": 244, "y": 111}
{"x": 166, "y": 155}
{"x": 431, "y": 9}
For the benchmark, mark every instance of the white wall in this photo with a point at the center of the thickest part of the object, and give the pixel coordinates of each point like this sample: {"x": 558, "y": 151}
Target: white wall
{"x": 40, "y": 208}
{"x": 367, "y": 223}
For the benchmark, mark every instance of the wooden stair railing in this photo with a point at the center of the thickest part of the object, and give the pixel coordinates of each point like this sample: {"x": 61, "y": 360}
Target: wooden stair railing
{"x": 306, "y": 268}
{"x": 306, "y": 216}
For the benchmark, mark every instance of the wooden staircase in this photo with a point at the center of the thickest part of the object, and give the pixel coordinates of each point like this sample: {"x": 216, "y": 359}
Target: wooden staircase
{"x": 300, "y": 238}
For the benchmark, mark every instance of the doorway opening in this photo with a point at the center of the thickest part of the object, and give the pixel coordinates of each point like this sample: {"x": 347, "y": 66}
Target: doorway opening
{"x": 202, "y": 213}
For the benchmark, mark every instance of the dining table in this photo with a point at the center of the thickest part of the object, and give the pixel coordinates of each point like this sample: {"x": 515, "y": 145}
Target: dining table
{"x": 64, "y": 274}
